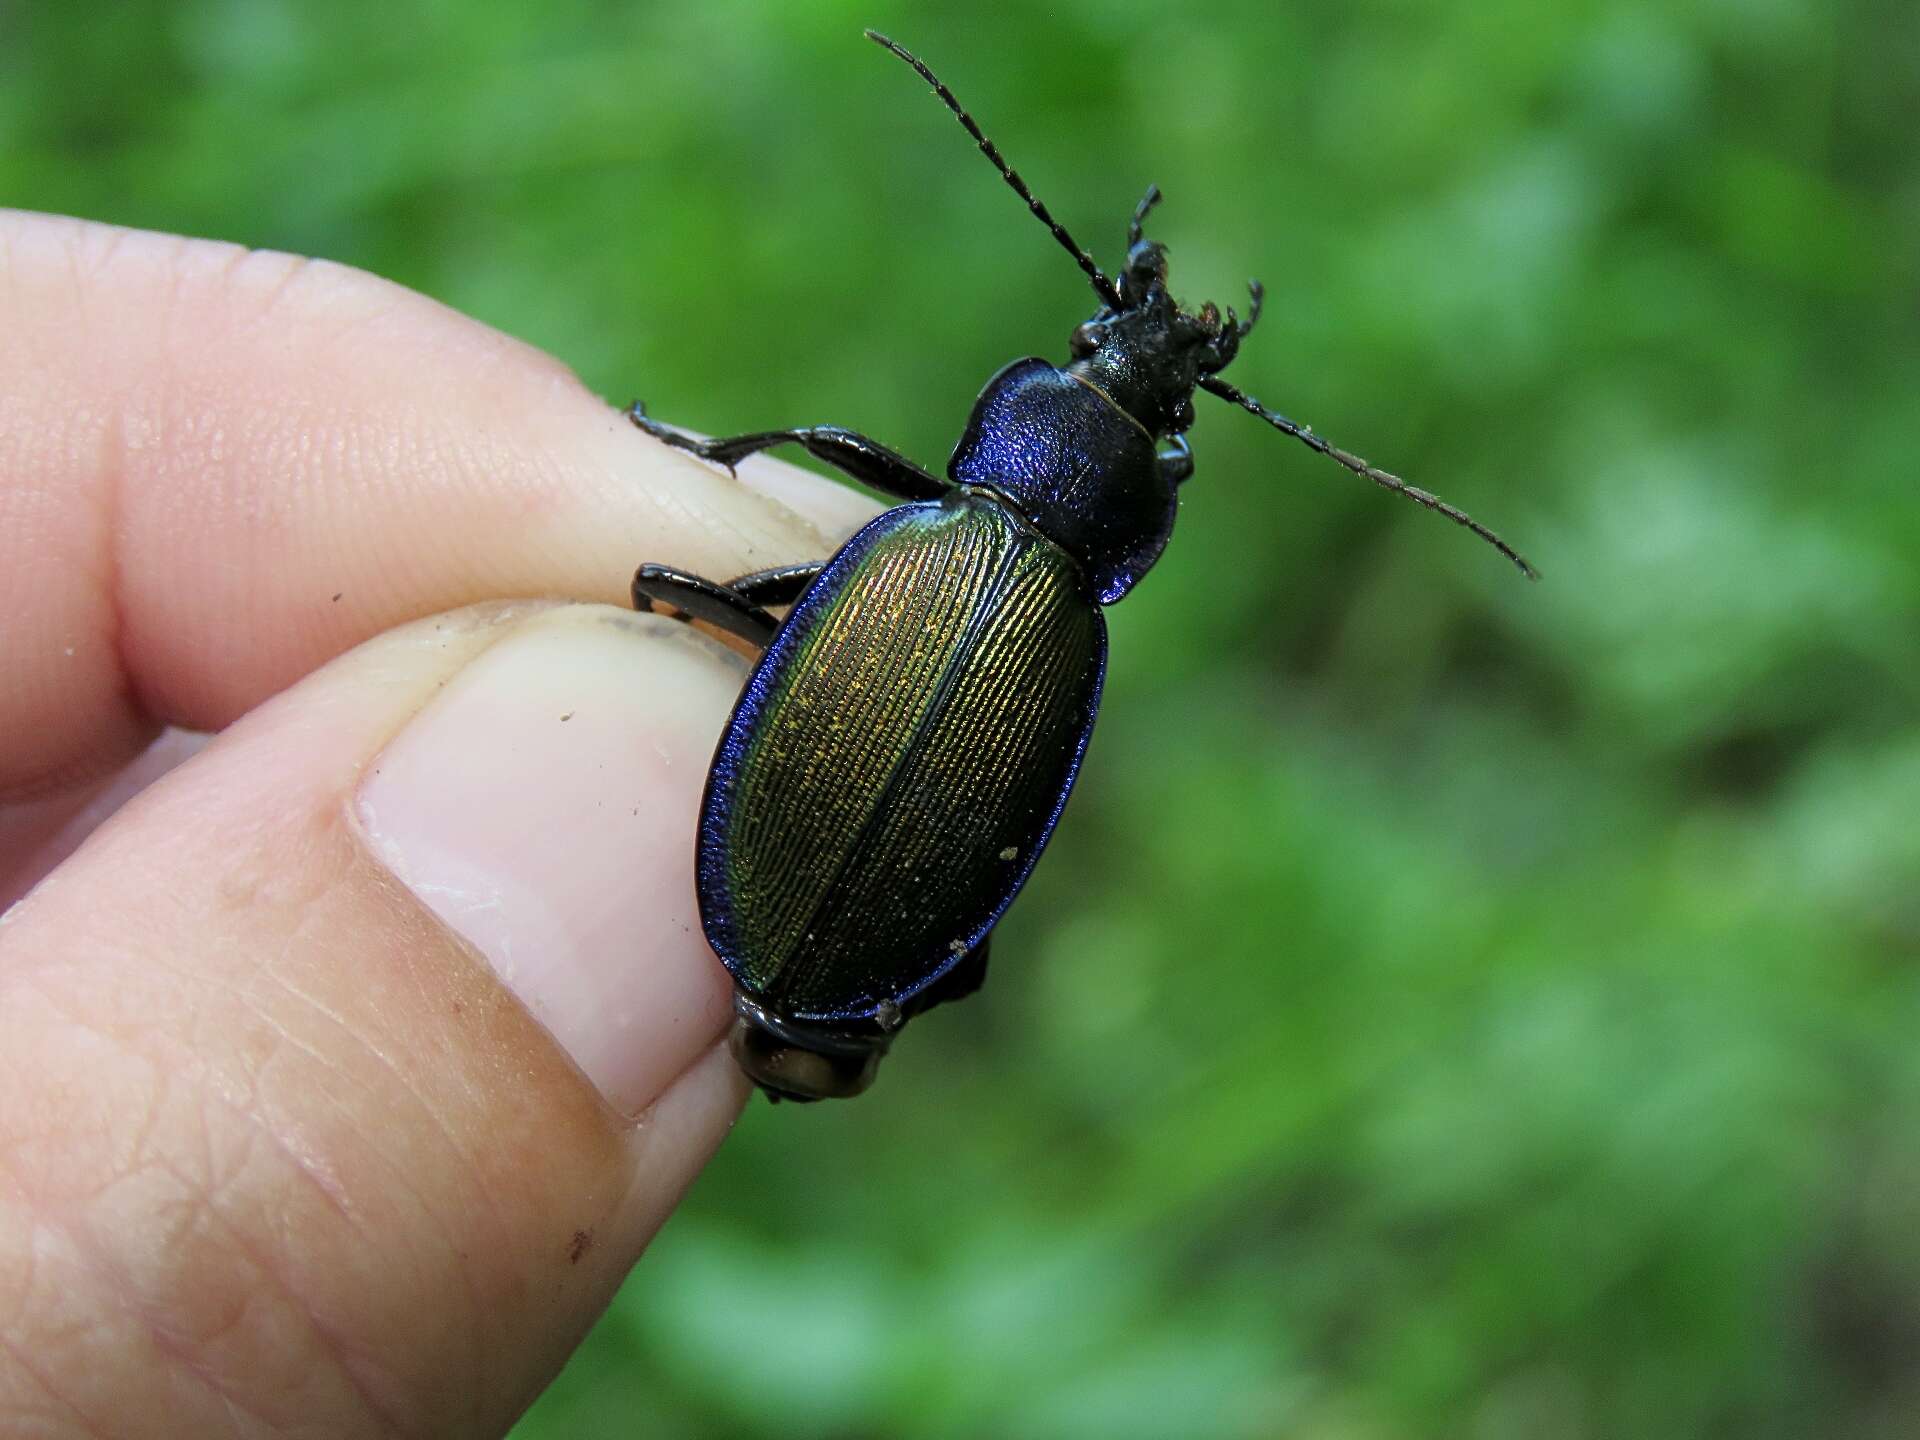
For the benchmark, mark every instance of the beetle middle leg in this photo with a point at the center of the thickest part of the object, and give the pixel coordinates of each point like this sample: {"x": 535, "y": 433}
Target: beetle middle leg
{"x": 735, "y": 607}
{"x": 848, "y": 451}
{"x": 779, "y": 586}
{"x": 700, "y": 599}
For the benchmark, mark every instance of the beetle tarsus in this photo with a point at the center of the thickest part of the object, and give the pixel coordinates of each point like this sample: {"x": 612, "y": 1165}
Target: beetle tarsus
{"x": 1258, "y": 294}
{"x": 1136, "y": 229}
{"x": 678, "y": 439}
{"x": 1176, "y": 460}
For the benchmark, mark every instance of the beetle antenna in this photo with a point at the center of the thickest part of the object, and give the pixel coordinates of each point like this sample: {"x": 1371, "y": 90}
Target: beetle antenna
{"x": 1101, "y": 284}
{"x": 1304, "y": 433}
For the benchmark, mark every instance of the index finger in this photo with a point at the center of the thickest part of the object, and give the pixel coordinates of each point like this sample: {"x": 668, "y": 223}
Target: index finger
{"x": 221, "y": 467}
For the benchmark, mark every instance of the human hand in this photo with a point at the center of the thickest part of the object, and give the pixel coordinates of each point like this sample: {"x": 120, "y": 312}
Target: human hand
{"x": 346, "y": 1070}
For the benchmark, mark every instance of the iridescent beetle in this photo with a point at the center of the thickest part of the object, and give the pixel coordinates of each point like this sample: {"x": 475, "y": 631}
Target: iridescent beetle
{"x": 908, "y": 738}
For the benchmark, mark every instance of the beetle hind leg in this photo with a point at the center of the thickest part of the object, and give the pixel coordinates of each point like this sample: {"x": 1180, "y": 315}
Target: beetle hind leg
{"x": 958, "y": 983}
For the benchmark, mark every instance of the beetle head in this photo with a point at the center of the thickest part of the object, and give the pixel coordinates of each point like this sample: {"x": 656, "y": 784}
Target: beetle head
{"x": 1148, "y": 354}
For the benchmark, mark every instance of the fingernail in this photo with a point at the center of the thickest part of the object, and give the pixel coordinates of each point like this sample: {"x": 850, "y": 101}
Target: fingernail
{"x": 543, "y": 804}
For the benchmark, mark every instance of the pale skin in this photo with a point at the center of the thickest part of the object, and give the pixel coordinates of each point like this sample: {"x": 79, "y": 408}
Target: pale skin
{"x": 283, "y": 1145}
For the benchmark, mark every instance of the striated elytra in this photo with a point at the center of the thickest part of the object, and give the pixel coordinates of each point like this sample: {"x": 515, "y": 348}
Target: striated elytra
{"x": 907, "y": 741}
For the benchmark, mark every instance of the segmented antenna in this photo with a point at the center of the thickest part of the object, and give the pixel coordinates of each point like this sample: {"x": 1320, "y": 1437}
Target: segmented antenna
{"x": 1101, "y": 284}
{"x": 1303, "y": 433}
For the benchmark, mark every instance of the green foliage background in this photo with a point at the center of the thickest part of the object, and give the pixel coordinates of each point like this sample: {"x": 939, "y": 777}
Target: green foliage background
{"x": 1452, "y": 1006}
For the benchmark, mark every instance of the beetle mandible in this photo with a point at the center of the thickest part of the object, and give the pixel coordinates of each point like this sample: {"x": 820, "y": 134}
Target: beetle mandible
{"x": 905, "y": 744}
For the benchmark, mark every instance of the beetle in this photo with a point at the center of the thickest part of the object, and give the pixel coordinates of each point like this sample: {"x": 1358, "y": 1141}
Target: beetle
{"x": 905, "y": 744}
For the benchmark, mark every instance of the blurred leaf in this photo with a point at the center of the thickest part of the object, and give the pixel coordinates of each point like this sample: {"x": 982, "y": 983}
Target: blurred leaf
{"x": 1451, "y": 1006}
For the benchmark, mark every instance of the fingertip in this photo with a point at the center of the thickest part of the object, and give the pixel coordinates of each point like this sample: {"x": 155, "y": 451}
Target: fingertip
{"x": 229, "y": 1005}
{"x": 679, "y": 1134}
{"x": 223, "y": 467}
{"x": 542, "y": 805}
{"x": 832, "y": 508}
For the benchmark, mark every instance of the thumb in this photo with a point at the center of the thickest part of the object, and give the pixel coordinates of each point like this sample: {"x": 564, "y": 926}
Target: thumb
{"x": 345, "y": 1072}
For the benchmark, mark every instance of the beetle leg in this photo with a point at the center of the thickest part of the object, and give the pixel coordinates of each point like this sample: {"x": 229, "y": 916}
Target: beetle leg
{"x": 849, "y": 452}
{"x": 698, "y": 599}
{"x": 958, "y": 983}
{"x": 1136, "y": 230}
{"x": 779, "y": 586}
{"x": 1259, "y": 294}
{"x": 1176, "y": 461}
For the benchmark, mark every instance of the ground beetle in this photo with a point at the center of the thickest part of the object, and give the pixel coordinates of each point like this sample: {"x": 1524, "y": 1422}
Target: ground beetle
{"x": 908, "y": 738}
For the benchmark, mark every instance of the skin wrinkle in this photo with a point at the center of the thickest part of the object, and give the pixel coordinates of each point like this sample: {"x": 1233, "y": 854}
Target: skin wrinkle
{"x": 344, "y": 1357}
{"x": 331, "y": 1343}
{"x": 247, "y": 1108}
{"x": 109, "y": 1289}
{"x": 141, "y": 1156}
{"x": 258, "y": 298}
{"x": 78, "y": 278}
{"x": 487, "y": 1199}
{"x": 386, "y": 1062}
{"x": 490, "y": 1204}
{"x": 113, "y": 462}
{"x": 179, "y": 1349}
{"x": 138, "y": 729}
{"x": 184, "y": 1351}
{"x": 23, "y": 1359}
{"x": 293, "y": 273}
{"x": 390, "y": 1066}
{"x": 15, "y": 1313}
{"x": 96, "y": 1257}
{"x": 110, "y": 454}
{"x": 644, "y": 1130}
{"x": 394, "y": 1175}
{"x": 390, "y": 1176}
{"x": 76, "y": 1022}
{"x": 23, "y": 1363}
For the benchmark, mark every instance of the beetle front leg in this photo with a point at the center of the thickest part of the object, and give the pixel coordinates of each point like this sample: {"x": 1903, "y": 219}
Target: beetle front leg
{"x": 848, "y": 451}
{"x": 699, "y": 599}
{"x": 1176, "y": 461}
